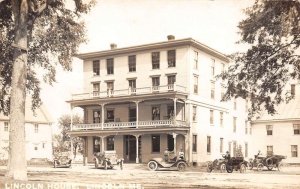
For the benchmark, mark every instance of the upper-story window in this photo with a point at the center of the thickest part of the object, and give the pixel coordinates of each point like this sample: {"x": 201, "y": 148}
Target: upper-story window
{"x": 110, "y": 87}
{"x": 110, "y": 116}
{"x": 36, "y": 128}
{"x": 155, "y": 83}
{"x": 110, "y": 66}
{"x": 222, "y": 92}
{"x": 195, "y": 84}
{"x": 294, "y": 150}
{"x": 132, "y": 63}
{"x": 194, "y": 113}
{"x": 195, "y": 60}
{"x": 211, "y": 117}
{"x": 234, "y": 104}
{"x": 221, "y": 145}
{"x": 208, "y": 142}
{"x": 155, "y": 113}
{"x": 213, "y": 62}
{"x": 96, "y": 116}
{"x": 194, "y": 143}
{"x": 96, "y": 89}
{"x": 246, "y": 127}
{"x": 212, "y": 90}
{"x": 296, "y": 129}
{"x": 155, "y": 60}
{"x": 223, "y": 68}
{"x": 5, "y": 126}
{"x": 221, "y": 119}
{"x": 293, "y": 89}
{"x": 170, "y": 112}
{"x": 269, "y": 129}
{"x": 171, "y": 81}
{"x": 234, "y": 124}
{"x": 96, "y": 67}
{"x": 171, "y": 58}
{"x": 132, "y": 85}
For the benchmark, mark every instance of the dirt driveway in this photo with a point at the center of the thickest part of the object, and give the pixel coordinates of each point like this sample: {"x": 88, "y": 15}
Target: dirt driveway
{"x": 137, "y": 176}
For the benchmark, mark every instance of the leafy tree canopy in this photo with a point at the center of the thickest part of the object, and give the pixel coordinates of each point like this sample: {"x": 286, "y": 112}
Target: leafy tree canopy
{"x": 272, "y": 32}
{"x": 54, "y": 35}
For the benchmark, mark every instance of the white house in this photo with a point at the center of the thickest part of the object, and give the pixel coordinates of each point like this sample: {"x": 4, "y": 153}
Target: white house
{"x": 38, "y": 134}
{"x": 143, "y": 99}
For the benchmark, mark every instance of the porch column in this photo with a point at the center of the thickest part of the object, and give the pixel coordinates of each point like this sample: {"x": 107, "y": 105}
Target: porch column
{"x": 137, "y": 113}
{"x": 186, "y": 148}
{"x": 175, "y": 109}
{"x": 102, "y": 143}
{"x": 137, "y": 148}
{"x": 85, "y": 151}
{"x": 85, "y": 115}
{"x": 174, "y": 138}
{"x": 102, "y": 115}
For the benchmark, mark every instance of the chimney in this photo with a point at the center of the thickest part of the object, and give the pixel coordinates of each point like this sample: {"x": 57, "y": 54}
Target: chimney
{"x": 113, "y": 46}
{"x": 170, "y": 37}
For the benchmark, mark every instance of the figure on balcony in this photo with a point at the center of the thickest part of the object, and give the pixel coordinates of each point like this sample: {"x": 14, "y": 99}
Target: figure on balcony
{"x": 155, "y": 113}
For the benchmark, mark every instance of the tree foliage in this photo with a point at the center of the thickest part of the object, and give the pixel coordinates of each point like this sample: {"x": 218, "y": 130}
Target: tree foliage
{"x": 54, "y": 35}
{"x": 272, "y": 33}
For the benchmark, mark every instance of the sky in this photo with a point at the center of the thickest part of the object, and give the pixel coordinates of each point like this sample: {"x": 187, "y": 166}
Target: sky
{"x": 135, "y": 22}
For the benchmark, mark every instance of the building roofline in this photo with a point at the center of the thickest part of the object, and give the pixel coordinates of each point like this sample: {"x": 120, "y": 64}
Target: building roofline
{"x": 275, "y": 120}
{"x": 153, "y": 46}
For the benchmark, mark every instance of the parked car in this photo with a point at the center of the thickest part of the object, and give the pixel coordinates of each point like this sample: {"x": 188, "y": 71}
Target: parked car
{"x": 107, "y": 159}
{"x": 62, "y": 160}
{"x": 217, "y": 164}
{"x": 270, "y": 162}
{"x": 169, "y": 161}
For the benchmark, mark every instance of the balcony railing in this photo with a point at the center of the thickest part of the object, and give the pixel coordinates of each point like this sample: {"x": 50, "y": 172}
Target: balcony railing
{"x": 133, "y": 124}
{"x": 129, "y": 91}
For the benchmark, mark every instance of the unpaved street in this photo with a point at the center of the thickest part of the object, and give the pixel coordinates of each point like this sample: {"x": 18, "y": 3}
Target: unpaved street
{"x": 137, "y": 176}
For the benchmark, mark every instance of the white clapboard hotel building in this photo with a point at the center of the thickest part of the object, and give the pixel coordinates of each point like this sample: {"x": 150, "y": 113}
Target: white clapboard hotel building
{"x": 142, "y": 100}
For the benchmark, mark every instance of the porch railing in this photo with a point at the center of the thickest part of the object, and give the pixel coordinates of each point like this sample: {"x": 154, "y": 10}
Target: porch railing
{"x": 133, "y": 124}
{"x": 129, "y": 91}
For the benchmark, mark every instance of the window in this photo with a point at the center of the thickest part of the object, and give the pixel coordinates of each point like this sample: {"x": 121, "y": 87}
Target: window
{"x": 155, "y": 113}
{"x": 155, "y": 83}
{"x": 96, "y": 89}
{"x": 110, "y": 66}
{"x": 171, "y": 58}
{"x": 156, "y": 143}
{"x": 110, "y": 141}
{"x": 294, "y": 149}
{"x": 110, "y": 88}
{"x": 234, "y": 104}
{"x": 208, "y": 148}
{"x": 43, "y": 145}
{"x": 212, "y": 90}
{"x": 110, "y": 116}
{"x": 296, "y": 129}
{"x": 223, "y": 67}
{"x": 195, "y": 84}
{"x": 246, "y": 149}
{"x": 293, "y": 90}
{"x": 171, "y": 81}
{"x": 234, "y": 148}
{"x": 211, "y": 117}
{"x": 221, "y": 145}
{"x": 170, "y": 143}
{"x": 194, "y": 113}
{"x": 35, "y": 148}
{"x": 222, "y": 92}
{"x": 96, "y": 116}
{"x": 170, "y": 112}
{"x": 221, "y": 119}
{"x": 234, "y": 124}
{"x": 155, "y": 60}
{"x": 195, "y": 60}
{"x": 194, "y": 143}
{"x": 213, "y": 62}
{"x": 5, "y": 126}
{"x": 229, "y": 147}
{"x": 96, "y": 67}
{"x": 96, "y": 144}
{"x": 269, "y": 150}
{"x": 132, "y": 85}
{"x": 269, "y": 129}
{"x": 246, "y": 127}
{"x": 132, "y": 63}
{"x": 36, "y": 128}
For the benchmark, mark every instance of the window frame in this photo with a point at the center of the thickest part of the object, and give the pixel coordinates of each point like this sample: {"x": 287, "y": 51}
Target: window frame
{"x": 221, "y": 145}
{"x": 110, "y": 66}
{"x": 132, "y": 63}
{"x": 194, "y": 118}
{"x": 269, "y": 129}
{"x": 36, "y": 128}
{"x": 208, "y": 144}
{"x": 294, "y": 152}
{"x": 196, "y": 59}
{"x": 110, "y": 143}
{"x": 155, "y": 147}
{"x": 296, "y": 129}
{"x": 194, "y": 143}
{"x": 211, "y": 117}
{"x": 171, "y": 56}
{"x": 6, "y": 126}
{"x": 212, "y": 90}
{"x": 234, "y": 124}
{"x": 96, "y": 67}
{"x": 196, "y": 84}
{"x": 155, "y": 59}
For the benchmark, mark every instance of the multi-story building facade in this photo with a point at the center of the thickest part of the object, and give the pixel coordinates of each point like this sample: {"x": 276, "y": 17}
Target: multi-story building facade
{"x": 38, "y": 134}
{"x": 142, "y": 100}
{"x": 280, "y": 133}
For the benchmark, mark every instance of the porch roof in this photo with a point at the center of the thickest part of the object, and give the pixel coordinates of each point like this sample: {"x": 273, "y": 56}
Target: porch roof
{"x": 130, "y": 131}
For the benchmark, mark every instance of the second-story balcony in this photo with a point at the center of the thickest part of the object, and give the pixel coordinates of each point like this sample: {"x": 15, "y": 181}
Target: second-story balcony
{"x": 133, "y": 124}
{"x": 130, "y": 91}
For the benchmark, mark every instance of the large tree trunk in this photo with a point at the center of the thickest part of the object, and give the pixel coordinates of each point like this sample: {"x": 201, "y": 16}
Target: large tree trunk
{"x": 17, "y": 165}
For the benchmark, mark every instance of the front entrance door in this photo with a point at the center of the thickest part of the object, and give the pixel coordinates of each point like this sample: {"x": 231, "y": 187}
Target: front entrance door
{"x": 130, "y": 147}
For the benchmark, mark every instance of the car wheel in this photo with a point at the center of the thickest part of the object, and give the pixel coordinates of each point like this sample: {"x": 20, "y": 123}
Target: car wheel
{"x": 229, "y": 169}
{"x": 269, "y": 163}
{"x": 243, "y": 168}
{"x": 181, "y": 166}
{"x": 152, "y": 165}
{"x": 260, "y": 167}
{"x": 250, "y": 165}
{"x": 223, "y": 168}
{"x": 209, "y": 167}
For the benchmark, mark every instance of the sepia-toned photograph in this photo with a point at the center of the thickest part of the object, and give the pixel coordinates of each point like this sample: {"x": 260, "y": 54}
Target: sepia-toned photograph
{"x": 142, "y": 94}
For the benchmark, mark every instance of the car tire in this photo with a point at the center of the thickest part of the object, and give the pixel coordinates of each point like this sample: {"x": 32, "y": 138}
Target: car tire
{"x": 229, "y": 168}
{"x": 260, "y": 167}
{"x": 209, "y": 167}
{"x": 152, "y": 165}
{"x": 181, "y": 166}
{"x": 243, "y": 168}
{"x": 269, "y": 163}
{"x": 250, "y": 165}
{"x": 223, "y": 168}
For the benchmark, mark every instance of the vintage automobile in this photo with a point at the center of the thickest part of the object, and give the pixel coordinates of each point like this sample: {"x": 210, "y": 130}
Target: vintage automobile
{"x": 236, "y": 163}
{"x": 107, "y": 159}
{"x": 217, "y": 164}
{"x": 62, "y": 160}
{"x": 170, "y": 161}
{"x": 270, "y": 162}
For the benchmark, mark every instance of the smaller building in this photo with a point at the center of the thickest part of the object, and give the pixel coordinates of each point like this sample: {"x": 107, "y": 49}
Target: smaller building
{"x": 38, "y": 134}
{"x": 280, "y": 133}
